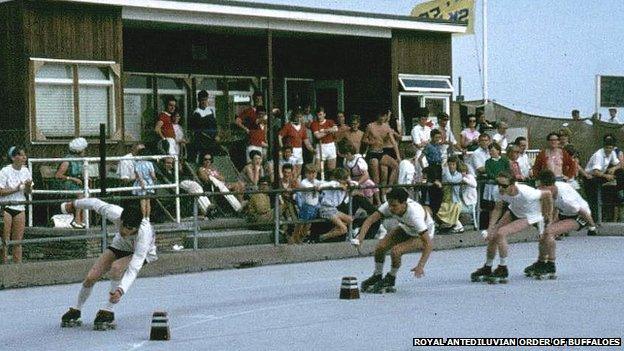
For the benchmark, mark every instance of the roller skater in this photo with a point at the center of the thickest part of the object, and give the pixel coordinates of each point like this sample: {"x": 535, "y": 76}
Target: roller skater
{"x": 132, "y": 246}
{"x": 519, "y": 207}
{"x": 413, "y": 228}
{"x": 574, "y": 214}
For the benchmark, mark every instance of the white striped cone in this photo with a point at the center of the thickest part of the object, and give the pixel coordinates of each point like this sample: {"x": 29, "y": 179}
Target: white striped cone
{"x": 349, "y": 289}
{"x": 160, "y": 326}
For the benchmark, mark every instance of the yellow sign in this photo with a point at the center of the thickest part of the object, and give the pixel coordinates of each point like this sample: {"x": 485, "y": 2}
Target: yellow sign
{"x": 453, "y": 10}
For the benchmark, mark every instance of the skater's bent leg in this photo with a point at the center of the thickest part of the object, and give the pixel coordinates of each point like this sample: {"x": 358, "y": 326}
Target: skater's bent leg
{"x": 555, "y": 230}
{"x": 118, "y": 267}
{"x": 101, "y": 266}
{"x": 391, "y": 239}
{"x": 410, "y": 244}
{"x": 506, "y": 230}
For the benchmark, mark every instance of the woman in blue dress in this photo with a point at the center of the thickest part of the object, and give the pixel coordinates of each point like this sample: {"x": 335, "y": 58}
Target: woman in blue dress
{"x": 145, "y": 176}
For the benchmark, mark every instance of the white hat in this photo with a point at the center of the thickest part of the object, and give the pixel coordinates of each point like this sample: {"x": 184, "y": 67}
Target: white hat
{"x": 78, "y": 145}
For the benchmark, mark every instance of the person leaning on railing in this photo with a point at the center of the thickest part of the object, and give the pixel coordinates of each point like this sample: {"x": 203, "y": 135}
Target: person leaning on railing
{"x": 15, "y": 182}
{"x": 69, "y": 175}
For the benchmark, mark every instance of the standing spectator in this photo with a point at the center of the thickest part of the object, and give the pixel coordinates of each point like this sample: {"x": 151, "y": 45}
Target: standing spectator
{"x": 307, "y": 119}
{"x": 483, "y": 124}
{"x": 493, "y": 166}
{"x": 411, "y": 173}
{"x": 476, "y": 161}
{"x": 375, "y": 136}
{"x": 390, "y": 146}
{"x": 452, "y": 203}
{"x": 433, "y": 153}
{"x": 576, "y": 115}
{"x": 421, "y": 133}
{"x": 164, "y": 125}
{"x": 555, "y": 159}
{"x": 204, "y": 126}
{"x": 324, "y": 131}
{"x": 343, "y": 128}
{"x": 70, "y": 175}
{"x": 523, "y": 158}
{"x": 601, "y": 166}
{"x": 15, "y": 183}
{"x": 613, "y": 115}
{"x": 501, "y": 135}
{"x": 125, "y": 170}
{"x": 258, "y": 134}
{"x": 470, "y": 135}
{"x": 448, "y": 139}
{"x": 354, "y": 134}
{"x": 513, "y": 153}
{"x": 145, "y": 176}
{"x": 247, "y": 119}
{"x": 178, "y": 131}
{"x": 469, "y": 191}
{"x": 294, "y": 134}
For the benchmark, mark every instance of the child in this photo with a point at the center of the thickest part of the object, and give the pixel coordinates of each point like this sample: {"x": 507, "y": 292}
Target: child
{"x": 451, "y": 204}
{"x": 145, "y": 176}
{"x": 433, "y": 154}
{"x": 331, "y": 200}
{"x": 411, "y": 172}
{"x": 307, "y": 202}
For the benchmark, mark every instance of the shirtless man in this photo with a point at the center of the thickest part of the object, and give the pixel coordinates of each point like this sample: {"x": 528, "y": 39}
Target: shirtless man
{"x": 377, "y": 133}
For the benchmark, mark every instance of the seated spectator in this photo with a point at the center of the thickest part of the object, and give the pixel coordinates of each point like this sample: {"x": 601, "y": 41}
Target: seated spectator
{"x": 331, "y": 199}
{"x": 253, "y": 171}
{"x": 555, "y": 159}
{"x": 449, "y": 144}
{"x": 164, "y": 126}
{"x": 476, "y": 161}
{"x": 287, "y": 200}
{"x": 523, "y": 158}
{"x": 483, "y": 124}
{"x": 307, "y": 203}
{"x": 601, "y": 166}
{"x": 468, "y": 191}
{"x": 493, "y": 166}
{"x": 470, "y": 135}
{"x": 501, "y": 135}
{"x": 187, "y": 182}
{"x": 208, "y": 170}
{"x": 70, "y": 175}
{"x": 513, "y": 153}
{"x": 15, "y": 183}
{"x": 258, "y": 208}
{"x": 145, "y": 176}
{"x": 358, "y": 170}
{"x": 286, "y": 158}
{"x": 451, "y": 206}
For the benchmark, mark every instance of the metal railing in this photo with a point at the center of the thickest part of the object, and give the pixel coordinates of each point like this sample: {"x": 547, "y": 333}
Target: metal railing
{"x": 87, "y": 191}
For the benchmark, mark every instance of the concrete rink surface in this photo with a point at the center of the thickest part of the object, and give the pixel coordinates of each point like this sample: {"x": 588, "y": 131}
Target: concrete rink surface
{"x": 296, "y": 306}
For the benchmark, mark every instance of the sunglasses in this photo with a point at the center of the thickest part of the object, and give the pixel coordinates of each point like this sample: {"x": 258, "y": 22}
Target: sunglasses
{"x": 472, "y": 120}
{"x": 504, "y": 186}
{"x": 208, "y": 159}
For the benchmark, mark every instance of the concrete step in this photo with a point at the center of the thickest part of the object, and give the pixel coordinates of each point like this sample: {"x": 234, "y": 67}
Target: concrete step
{"x": 229, "y": 238}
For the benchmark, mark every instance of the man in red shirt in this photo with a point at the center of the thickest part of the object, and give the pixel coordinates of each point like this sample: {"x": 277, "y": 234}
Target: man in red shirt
{"x": 257, "y": 135}
{"x": 164, "y": 125}
{"x": 247, "y": 119}
{"x": 324, "y": 130}
{"x": 294, "y": 134}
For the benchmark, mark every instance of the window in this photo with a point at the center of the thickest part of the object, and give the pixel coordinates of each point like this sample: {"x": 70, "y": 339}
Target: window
{"x": 417, "y": 83}
{"x": 72, "y": 98}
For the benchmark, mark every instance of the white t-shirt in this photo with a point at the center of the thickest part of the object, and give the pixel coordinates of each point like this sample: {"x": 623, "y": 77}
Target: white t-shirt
{"x": 477, "y": 160}
{"x": 526, "y": 203}
{"x": 568, "y": 201}
{"x": 309, "y": 197}
{"x": 142, "y": 244}
{"x": 125, "y": 170}
{"x": 420, "y": 134}
{"x": 600, "y": 161}
{"x": 525, "y": 165}
{"x": 12, "y": 178}
{"x": 501, "y": 139}
{"x": 414, "y": 221}
{"x": 359, "y": 159}
{"x": 332, "y": 198}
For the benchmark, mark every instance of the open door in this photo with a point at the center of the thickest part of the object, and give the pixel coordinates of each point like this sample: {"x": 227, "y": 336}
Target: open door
{"x": 330, "y": 95}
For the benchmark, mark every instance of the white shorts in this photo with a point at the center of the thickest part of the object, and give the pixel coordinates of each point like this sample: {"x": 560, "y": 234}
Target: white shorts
{"x": 391, "y": 223}
{"x": 262, "y": 150}
{"x": 328, "y": 152}
{"x": 298, "y": 155}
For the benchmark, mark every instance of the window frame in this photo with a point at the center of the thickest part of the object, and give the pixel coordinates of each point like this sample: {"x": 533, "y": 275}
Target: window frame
{"x": 114, "y": 122}
{"x": 445, "y": 79}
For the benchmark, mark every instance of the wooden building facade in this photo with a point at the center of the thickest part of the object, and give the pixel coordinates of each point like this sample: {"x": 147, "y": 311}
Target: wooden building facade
{"x": 68, "y": 65}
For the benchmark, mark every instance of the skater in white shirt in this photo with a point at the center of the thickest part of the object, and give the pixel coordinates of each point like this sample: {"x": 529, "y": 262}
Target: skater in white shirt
{"x": 132, "y": 247}
{"x": 518, "y": 207}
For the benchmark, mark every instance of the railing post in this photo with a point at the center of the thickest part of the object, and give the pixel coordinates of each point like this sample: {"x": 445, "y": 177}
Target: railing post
{"x": 276, "y": 219}
{"x": 195, "y": 224}
{"x": 85, "y": 185}
{"x": 30, "y": 197}
{"x": 104, "y": 234}
{"x": 350, "y": 228}
{"x": 176, "y": 173}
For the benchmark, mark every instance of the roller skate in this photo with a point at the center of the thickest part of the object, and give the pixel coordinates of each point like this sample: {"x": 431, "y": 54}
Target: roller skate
{"x": 71, "y": 318}
{"x": 386, "y": 285}
{"x": 546, "y": 269}
{"x": 499, "y": 275}
{"x": 481, "y": 274}
{"x": 368, "y": 284}
{"x": 104, "y": 320}
{"x": 530, "y": 270}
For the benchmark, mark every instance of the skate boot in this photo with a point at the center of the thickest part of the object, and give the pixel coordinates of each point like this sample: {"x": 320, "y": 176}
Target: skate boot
{"x": 546, "y": 269}
{"x": 104, "y": 320}
{"x": 71, "y": 318}
{"x": 481, "y": 274}
{"x": 386, "y": 285}
{"x": 530, "y": 270}
{"x": 368, "y": 284}
{"x": 499, "y": 275}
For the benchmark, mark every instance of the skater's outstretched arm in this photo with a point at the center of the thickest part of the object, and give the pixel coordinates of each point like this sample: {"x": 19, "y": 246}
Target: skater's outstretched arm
{"x": 144, "y": 240}
{"x": 368, "y": 222}
{"x": 419, "y": 269}
{"x": 109, "y": 211}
